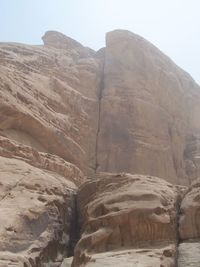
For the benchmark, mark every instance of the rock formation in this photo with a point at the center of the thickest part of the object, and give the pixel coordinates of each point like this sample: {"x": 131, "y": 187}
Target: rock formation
{"x": 149, "y": 107}
{"x": 189, "y": 227}
{"x": 49, "y": 98}
{"x": 123, "y": 211}
{"x": 36, "y": 212}
{"x": 73, "y": 124}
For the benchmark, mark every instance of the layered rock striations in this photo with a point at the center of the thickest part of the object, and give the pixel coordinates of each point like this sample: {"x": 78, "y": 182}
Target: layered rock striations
{"x": 135, "y": 214}
{"x": 49, "y": 101}
{"x": 49, "y": 98}
{"x": 73, "y": 123}
{"x": 120, "y": 109}
{"x": 36, "y": 208}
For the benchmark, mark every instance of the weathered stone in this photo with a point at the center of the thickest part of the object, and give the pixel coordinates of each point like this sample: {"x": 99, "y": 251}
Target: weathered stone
{"x": 123, "y": 210}
{"x": 36, "y": 208}
{"x": 67, "y": 112}
{"x": 189, "y": 226}
{"x": 49, "y": 99}
{"x": 149, "y": 111}
{"x": 155, "y": 257}
{"x": 189, "y": 254}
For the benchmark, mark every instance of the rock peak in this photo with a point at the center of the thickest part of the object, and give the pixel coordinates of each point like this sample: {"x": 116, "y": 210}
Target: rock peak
{"x": 59, "y": 40}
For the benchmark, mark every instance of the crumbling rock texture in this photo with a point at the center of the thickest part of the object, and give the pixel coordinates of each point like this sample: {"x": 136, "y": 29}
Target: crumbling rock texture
{"x": 49, "y": 98}
{"x": 36, "y": 208}
{"x": 68, "y": 113}
{"x": 122, "y": 211}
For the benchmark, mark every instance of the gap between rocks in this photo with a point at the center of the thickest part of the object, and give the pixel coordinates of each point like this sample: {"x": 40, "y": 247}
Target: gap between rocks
{"x": 75, "y": 229}
{"x": 178, "y": 205}
{"x": 100, "y": 96}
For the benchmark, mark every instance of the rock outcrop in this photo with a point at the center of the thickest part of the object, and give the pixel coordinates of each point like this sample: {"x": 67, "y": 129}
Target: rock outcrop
{"x": 189, "y": 227}
{"x": 70, "y": 119}
{"x": 36, "y": 208}
{"x": 126, "y": 211}
{"x": 49, "y": 98}
{"x": 149, "y": 120}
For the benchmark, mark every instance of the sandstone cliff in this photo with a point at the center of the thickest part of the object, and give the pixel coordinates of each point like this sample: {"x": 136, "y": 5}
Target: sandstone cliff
{"x": 149, "y": 112}
{"x": 69, "y": 114}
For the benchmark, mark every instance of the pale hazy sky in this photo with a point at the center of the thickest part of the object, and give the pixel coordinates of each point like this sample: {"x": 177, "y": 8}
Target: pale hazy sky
{"x": 172, "y": 25}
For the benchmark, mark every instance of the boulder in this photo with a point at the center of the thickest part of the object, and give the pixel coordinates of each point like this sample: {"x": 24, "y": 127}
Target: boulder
{"x": 37, "y": 209}
{"x": 120, "y": 211}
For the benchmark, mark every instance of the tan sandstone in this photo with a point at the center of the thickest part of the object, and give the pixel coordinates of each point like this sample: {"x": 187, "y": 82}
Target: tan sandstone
{"x": 68, "y": 112}
{"x": 149, "y": 119}
{"x": 49, "y": 98}
{"x": 189, "y": 226}
{"x": 36, "y": 208}
{"x": 119, "y": 211}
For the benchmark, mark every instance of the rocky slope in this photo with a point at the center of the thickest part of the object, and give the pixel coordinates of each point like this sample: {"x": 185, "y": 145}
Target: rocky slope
{"x": 49, "y": 98}
{"x": 69, "y": 114}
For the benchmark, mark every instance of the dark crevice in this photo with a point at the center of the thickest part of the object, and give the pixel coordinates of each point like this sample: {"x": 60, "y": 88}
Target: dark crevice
{"x": 100, "y": 96}
{"x": 178, "y": 212}
{"x": 74, "y": 229}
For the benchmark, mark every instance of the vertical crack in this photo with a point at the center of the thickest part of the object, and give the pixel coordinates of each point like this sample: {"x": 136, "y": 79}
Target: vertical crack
{"x": 74, "y": 229}
{"x": 178, "y": 208}
{"x": 100, "y": 96}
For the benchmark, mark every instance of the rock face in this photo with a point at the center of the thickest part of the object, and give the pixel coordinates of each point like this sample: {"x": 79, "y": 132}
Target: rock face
{"x": 49, "y": 98}
{"x": 123, "y": 211}
{"x": 189, "y": 227}
{"x": 68, "y": 113}
{"x": 190, "y": 213}
{"x": 148, "y": 119}
{"x": 120, "y": 109}
{"x": 36, "y": 208}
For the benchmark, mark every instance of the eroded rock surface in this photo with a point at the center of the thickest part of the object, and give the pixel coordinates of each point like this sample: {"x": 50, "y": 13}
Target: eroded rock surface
{"x": 67, "y": 112}
{"x": 48, "y": 94}
{"x": 189, "y": 226}
{"x": 123, "y": 211}
{"x": 36, "y": 208}
{"x": 49, "y": 98}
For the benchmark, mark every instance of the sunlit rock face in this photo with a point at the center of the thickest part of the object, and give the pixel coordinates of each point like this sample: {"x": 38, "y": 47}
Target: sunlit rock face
{"x": 125, "y": 108}
{"x": 36, "y": 208}
{"x": 48, "y": 110}
{"x": 69, "y": 114}
{"x": 49, "y": 98}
